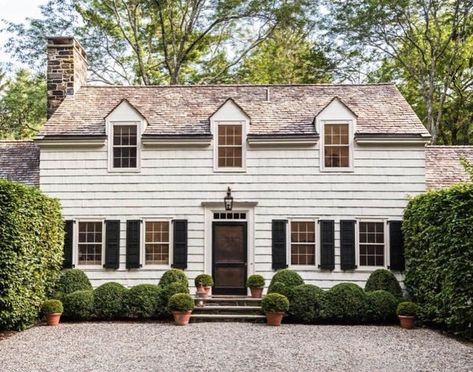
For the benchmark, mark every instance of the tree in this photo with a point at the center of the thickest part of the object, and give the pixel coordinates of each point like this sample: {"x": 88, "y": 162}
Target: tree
{"x": 23, "y": 106}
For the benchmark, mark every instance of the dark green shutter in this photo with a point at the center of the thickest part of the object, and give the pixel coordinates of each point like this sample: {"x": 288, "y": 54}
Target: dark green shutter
{"x": 347, "y": 245}
{"x": 396, "y": 246}
{"x": 133, "y": 229}
{"x": 180, "y": 244}
{"x": 279, "y": 244}
{"x": 112, "y": 244}
{"x": 327, "y": 245}
{"x": 68, "y": 244}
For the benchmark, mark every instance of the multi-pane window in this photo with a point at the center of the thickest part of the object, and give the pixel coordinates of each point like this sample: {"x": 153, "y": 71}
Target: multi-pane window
{"x": 230, "y": 146}
{"x": 124, "y": 146}
{"x": 372, "y": 244}
{"x": 90, "y": 243}
{"x": 303, "y": 243}
{"x": 157, "y": 242}
{"x": 336, "y": 146}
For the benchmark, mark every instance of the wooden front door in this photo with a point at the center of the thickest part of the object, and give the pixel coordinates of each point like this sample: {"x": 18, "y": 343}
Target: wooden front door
{"x": 229, "y": 258}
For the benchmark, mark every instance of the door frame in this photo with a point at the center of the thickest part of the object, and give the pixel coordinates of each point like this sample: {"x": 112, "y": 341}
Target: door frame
{"x": 238, "y": 291}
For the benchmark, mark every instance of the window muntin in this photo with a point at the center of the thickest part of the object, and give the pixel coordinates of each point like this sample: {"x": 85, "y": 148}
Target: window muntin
{"x": 125, "y": 146}
{"x": 230, "y": 146}
{"x": 157, "y": 242}
{"x": 90, "y": 243}
{"x": 372, "y": 243}
{"x": 302, "y": 243}
{"x": 336, "y": 146}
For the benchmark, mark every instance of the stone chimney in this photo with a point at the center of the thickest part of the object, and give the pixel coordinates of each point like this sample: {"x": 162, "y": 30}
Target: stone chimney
{"x": 67, "y": 70}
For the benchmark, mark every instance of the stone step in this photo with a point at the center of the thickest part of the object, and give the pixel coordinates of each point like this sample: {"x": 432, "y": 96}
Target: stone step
{"x": 228, "y": 301}
{"x": 253, "y": 318}
{"x": 231, "y": 310}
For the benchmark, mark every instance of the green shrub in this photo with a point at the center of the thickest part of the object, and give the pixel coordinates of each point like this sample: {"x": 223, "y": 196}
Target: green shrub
{"x": 79, "y": 305}
{"x": 306, "y": 303}
{"x": 287, "y": 277}
{"x": 173, "y": 276}
{"x": 51, "y": 307}
{"x": 438, "y": 230}
{"x": 72, "y": 280}
{"x": 31, "y": 252}
{"x": 181, "y": 302}
{"x": 345, "y": 303}
{"x": 108, "y": 300}
{"x": 204, "y": 280}
{"x": 255, "y": 281}
{"x": 141, "y": 301}
{"x": 275, "y": 303}
{"x": 281, "y": 288}
{"x": 165, "y": 293}
{"x": 381, "y": 307}
{"x": 385, "y": 280}
{"x": 407, "y": 308}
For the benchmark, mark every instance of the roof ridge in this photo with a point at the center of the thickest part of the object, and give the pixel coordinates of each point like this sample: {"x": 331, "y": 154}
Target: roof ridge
{"x": 239, "y": 85}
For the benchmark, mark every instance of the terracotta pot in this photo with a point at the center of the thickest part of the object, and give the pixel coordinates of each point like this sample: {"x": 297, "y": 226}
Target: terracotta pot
{"x": 182, "y": 317}
{"x": 53, "y": 319}
{"x": 202, "y": 292}
{"x": 256, "y": 292}
{"x": 406, "y": 321}
{"x": 274, "y": 319}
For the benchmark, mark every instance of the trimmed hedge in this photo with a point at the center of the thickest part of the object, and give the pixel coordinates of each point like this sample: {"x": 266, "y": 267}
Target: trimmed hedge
{"x": 288, "y": 277}
{"x": 108, "y": 300}
{"x": 173, "y": 276}
{"x": 383, "y": 279}
{"x": 255, "y": 281}
{"x": 407, "y": 308}
{"x": 52, "y": 307}
{"x": 204, "y": 280}
{"x": 79, "y": 305}
{"x": 181, "y": 302}
{"x": 381, "y": 307}
{"x": 438, "y": 231}
{"x": 31, "y": 241}
{"x": 275, "y": 302}
{"x": 345, "y": 303}
{"x": 165, "y": 293}
{"x": 72, "y": 280}
{"x": 141, "y": 301}
{"x": 306, "y": 303}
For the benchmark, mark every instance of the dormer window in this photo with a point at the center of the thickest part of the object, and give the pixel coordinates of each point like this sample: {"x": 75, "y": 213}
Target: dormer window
{"x": 125, "y": 146}
{"x": 230, "y": 145}
{"x": 336, "y": 146}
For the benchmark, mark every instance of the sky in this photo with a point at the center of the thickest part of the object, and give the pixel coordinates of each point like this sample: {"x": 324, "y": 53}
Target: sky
{"x": 16, "y": 11}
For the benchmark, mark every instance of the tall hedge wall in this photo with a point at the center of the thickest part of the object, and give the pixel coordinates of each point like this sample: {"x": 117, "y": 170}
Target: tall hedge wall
{"x": 31, "y": 239}
{"x": 438, "y": 230}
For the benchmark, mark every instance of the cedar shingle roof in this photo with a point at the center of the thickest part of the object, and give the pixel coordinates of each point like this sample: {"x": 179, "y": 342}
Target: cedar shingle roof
{"x": 19, "y": 161}
{"x": 185, "y": 110}
{"x": 443, "y": 167}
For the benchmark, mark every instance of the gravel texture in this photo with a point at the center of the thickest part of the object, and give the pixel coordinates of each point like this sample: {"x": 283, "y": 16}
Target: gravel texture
{"x": 230, "y": 347}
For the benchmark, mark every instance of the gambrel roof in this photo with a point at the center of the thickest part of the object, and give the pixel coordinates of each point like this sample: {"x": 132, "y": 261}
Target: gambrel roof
{"x": 273, "y": 110}
{"x": 19, "y": 161}
{"x": 443, "y": 167}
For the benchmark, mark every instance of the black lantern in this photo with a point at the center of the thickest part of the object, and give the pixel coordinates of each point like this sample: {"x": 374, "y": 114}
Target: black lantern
{"x": 228, "y": 200}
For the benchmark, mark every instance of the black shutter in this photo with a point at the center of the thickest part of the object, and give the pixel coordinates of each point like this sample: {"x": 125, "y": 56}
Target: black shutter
{"x": 396, "y": 246}
{"x": 327, "y": 245}
{"x": 347, "y": 245}
{"x": 279, "y": 242}
{"x": 112, "y": 244}
{"x": 180, "y": 244}
{"x": 133, "y": 228}
{"x": 68, "y": 244}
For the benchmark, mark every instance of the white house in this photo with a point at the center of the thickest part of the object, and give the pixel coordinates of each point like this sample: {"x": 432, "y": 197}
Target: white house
{"x": 319, "y": 176}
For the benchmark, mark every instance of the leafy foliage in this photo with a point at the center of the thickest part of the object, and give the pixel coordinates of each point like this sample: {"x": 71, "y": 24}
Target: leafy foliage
{"x": 51, "y": 307}
{"x": 165, "y": 293}
{"x": 381, "y": 306}
{"x": 385, "y": 280}
{"x": 141, "y": 301}
{"x": 275, "y": 302}
{"x": 72, "y": 280}
{"x": 255, "y": 281}
{"x": 109, "y": 300}
{"x": 407, "y": 308}
{"x": 79, "y": 305}
{"x": 181, "y": 302}
{"x": 172, "y": 276}
{"x": 288, "y": 277}
{"x": 306, "y": 303}
{"x": 31, "y": 242}
{"x": 204, "y": 280}
{"x": 345, "y": 303}
{"x": 468, "y": 167}
{"x": 438, "y": 226}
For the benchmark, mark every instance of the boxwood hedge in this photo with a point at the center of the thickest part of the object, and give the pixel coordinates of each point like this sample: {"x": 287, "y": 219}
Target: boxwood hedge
{"x": 79, "y": 305}
{"x": 141, "y": 301}
{"x": 109, "y": 301}
{"x": 345, "y": 303}
{"x": 438, "y": 231}
{"x": 31, "y": 240}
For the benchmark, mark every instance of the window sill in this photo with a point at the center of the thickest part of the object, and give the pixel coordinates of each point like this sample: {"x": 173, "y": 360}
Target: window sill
{"x": 230, "y": 170}
{"x": 337, "y": 170}
{"x": 89, "y": 267}
{"x": 155, "y": 267}
{"x": 304, "y": 267}
{"x": 125, "y": 170}
{"x": 369, "y": 269}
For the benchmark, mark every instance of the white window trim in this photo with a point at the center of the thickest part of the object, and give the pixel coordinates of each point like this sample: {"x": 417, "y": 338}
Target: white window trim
{"x": 139, "y": 131}
{"x": 143, "y": 243}
{"x": 315, "y": 266}
{"x": 244, "y": 134}
{"x": 75, "y": 251}
{"x": 323, "y": 168}
{"x": 386, "y": 244}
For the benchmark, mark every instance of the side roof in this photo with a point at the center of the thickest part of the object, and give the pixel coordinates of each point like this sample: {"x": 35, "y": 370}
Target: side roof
{"x": 443, "y": 167}
{"x": 273, "y": 109}
{"x": 19, "y": 161}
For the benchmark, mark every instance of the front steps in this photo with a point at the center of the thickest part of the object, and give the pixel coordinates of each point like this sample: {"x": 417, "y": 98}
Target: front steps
{"x": 227, "y": 309}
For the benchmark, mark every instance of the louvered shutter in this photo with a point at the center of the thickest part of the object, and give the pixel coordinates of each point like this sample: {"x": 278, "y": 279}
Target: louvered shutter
{"x": 327, "y": 245}
{"x": 279, "y": 244}
{"x": 68, "y": 244}
{"x": 180, "y": 244}
{"x": 396, "y": 246}
{"x": 347, "y": 245}
{"x": 133, "y": 228}
{"x": 112, "y": 244}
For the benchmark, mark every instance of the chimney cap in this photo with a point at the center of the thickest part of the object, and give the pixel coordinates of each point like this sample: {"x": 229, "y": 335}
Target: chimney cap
{"x": 65, "y": 41}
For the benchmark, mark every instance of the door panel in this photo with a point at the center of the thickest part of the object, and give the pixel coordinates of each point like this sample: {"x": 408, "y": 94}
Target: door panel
{"x": 229, "y": 267}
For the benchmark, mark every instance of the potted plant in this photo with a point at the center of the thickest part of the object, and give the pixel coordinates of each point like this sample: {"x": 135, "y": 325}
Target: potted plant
{"x": 274, "y": 306}
{"x": 53, "y": 310}
{"x": 406, "y": 311}
{"x": 203, "y": 283}
{"x": 256, "y": 284}
{"x": 181, "y": 306}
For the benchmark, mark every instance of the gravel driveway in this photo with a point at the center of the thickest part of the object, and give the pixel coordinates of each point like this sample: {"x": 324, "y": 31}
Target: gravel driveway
{"x": 230, "y": 347}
